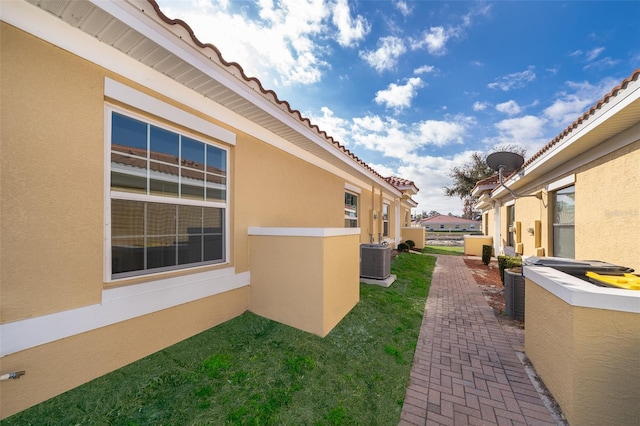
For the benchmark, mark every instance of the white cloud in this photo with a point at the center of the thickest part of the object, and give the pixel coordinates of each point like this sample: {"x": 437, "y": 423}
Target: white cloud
{"x": 574, "y": 101}
{"x": 350, "y": 30}
{"x": 424, "y": 69}
{"x": 403, "y": 7}
{"x": 278, "y": 48}
{"x": 386, "y": 56}
{"x": 434, "y": 40}
{"x": 527, "y": 131}
{"x": 510, "y": 107}
{"x": 594, "y": 53}
{"x": 334, "y": 126}
{"x": 399, "y": 96}
{"x": 480, "y": 106}
{"x": 515, "y": 80}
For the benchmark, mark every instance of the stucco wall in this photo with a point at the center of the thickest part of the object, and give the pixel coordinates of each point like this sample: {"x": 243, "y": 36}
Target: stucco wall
{"x": 52, "y": 178}
{"x": 307, "y": 282}
{"x": 608, "y": 209}
{"x": 56, "y": 367}
{"x": 587, "y": 357}
{"x": 416, "y": 234}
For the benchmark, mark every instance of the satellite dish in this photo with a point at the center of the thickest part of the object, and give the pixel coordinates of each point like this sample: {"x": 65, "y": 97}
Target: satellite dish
{"x": 507, "y": 161}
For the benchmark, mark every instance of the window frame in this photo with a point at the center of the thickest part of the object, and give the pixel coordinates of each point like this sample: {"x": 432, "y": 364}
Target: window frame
{"x": 110, "y": 195}
{"x": 386, "y": 208}
{"x": 561, "y": 225}
{"x": 346, "y": 215}
{"x": 510, "y": 222}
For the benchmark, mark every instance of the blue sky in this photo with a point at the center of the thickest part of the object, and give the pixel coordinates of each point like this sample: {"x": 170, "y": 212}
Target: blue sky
{"x": 414, "y": 87}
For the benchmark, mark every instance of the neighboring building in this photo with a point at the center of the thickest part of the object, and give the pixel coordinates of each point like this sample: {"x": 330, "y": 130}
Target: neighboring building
{"x": 450, "y": 223}
{"x": 151, "y": 190}
{"x": 580, "y": 195}
{"x": 578, "y": 198}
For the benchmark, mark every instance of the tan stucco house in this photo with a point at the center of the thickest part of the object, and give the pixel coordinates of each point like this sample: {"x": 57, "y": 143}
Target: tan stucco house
{"x": 579, "y": 192}
{"x": 151, "y": 190}
{"x": 578, "y": 198}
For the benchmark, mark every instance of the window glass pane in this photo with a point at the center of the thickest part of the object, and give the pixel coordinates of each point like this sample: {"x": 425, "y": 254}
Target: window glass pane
{"x": 192, "y": 184}
{"x": 159, "y": 253}
{"x": 216, "y": 188}
{"x": 164, "y": 145}
{"x": 213, "y": 235}
{"x": 216, "y": 160}
{"x": 192, "y": 153}
{"x": 189, "y": 234}
{"x": 127, "y": 236}
{"x": 163, "y": 179}
{"x": 564, "y": 205}
{"x": 564, "y": 241}
{"x": 128, "y": 173}
{"x": 127, "y": 132}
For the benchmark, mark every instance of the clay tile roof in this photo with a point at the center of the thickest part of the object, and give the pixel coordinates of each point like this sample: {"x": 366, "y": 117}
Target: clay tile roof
{"x": 489, "y": 180}
{"x": 237, "y": 70}
{"x": 399, "y": 182}
{"x": 584, "y": 117}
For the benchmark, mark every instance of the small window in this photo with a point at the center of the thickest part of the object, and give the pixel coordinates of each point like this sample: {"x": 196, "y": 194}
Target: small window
{"x": 385, "y": 220}
{"x": 564, "y": 203}
{"x": 511, "y": 218}
{"x": 350, "y": 210}
{"x": 168, "y": 199}
{"x": 441, "y": 226}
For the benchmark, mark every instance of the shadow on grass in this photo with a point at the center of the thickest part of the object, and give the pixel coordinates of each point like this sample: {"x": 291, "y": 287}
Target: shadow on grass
{"x": 253, "y": 371}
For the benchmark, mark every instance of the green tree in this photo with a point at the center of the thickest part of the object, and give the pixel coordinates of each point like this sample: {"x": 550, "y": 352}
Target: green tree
{"x": 466, "y": 175}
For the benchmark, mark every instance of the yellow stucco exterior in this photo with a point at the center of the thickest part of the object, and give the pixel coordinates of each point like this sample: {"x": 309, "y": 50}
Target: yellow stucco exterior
{"x": 586, "y": 356}
{"x": 307, "y": 281}
{"x": 60, "y": 308}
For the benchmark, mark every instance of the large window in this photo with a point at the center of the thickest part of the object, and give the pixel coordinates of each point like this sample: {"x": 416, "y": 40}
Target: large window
{"x": 168, "y": 199}
{"x": 564, "y": 202}
{"x": 350, "y": 210}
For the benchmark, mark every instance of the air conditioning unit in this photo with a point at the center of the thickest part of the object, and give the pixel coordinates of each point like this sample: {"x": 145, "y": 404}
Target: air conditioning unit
{"x": 375, "y": 261}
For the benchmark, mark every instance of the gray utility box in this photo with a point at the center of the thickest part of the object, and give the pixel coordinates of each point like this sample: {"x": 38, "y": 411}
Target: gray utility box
{"x": 375, "y": 261}
{"x": 514, "y": 293}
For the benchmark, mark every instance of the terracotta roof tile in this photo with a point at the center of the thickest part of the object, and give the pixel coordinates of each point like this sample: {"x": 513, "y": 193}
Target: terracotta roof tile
{"x": 235, "y": 69}
{"x": 584, "y": 117}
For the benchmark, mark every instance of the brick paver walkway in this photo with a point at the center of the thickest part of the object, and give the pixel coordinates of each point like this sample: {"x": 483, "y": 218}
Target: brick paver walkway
{"x": 465, "y": 369}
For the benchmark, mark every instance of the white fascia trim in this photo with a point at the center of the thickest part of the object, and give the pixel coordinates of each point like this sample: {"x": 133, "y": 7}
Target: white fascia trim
{"x": 561, "y": 183}
{"x": 144, "y": 102}
{"x": 352, "y": 188}
{"x": 579, "y": 293}
{"x": 45, "y": 26}
{"x": 195, "y": 57}
{"x": 118, "y": 305}
{"x": 302, "y": 232}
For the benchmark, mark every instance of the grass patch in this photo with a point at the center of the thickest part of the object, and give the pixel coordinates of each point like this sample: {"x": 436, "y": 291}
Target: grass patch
{"x": 450, "y": 250}
{"x": 253, "y": 371}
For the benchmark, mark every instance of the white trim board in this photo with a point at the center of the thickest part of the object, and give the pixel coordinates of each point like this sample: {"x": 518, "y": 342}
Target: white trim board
{"x": 577, "y": 292}
{"x": 303, "y": 232}
{"x": 119, "y": 304}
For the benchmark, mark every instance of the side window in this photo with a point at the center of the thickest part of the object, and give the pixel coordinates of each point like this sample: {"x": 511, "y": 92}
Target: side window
{"x": 385, "y": 220}
{"x": 350, "y": 210}
{"x": 563, "y": 210}
{"x": 511, "y": 218}
{"x": 168, "y": 199}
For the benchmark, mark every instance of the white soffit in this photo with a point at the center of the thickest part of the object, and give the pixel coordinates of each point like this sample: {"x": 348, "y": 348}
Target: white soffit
{"x": 134, "y": 28}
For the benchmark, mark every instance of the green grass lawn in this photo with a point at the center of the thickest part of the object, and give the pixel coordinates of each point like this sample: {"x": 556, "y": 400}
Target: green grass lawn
{"x": 253, "y": 371}
{"x": 451, "y": 250}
